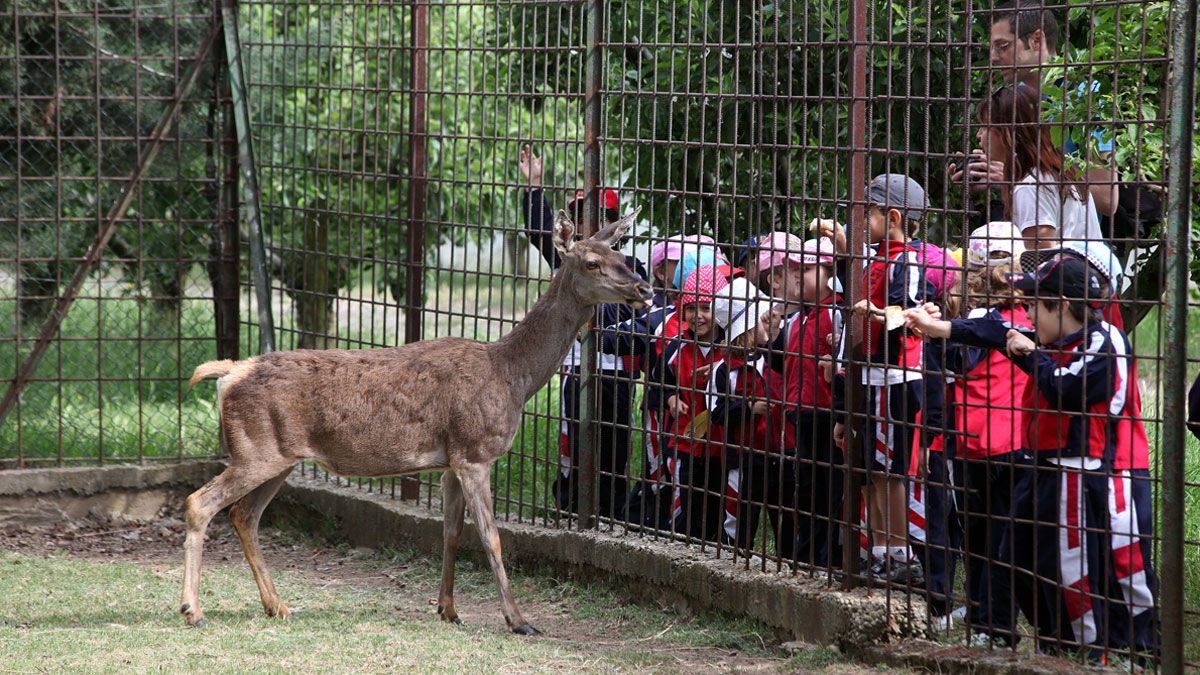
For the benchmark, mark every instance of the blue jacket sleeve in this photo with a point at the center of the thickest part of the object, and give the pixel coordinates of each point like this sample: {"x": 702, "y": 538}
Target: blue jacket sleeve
{"x": 539, "y": 225}
{"x": 1077, "y": 385}
{"x": 729, "y": 409}
{"x": 630, "y": 337}
{"x": 987, "y": 332}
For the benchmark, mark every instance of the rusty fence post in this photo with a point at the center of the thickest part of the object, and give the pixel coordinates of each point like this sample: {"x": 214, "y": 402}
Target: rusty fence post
{"x": 857, "y": 237}
{"x": 589, "y": 432}
{"x": 226, "y": 291}
{"x": 1179, "y": 198}
{"x": 414, "y": 327}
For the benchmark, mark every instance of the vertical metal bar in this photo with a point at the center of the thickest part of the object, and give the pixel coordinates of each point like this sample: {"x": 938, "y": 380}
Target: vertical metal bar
{"x": 249, "y": 175}
{"x": 108, "y": 227}
{"x": 589, "y": 382}
{"x": 857, "y": 235}
{"x": 1179, "y": 198}
{"x": 417, "y": 186}
{"x": 226, "y": 294}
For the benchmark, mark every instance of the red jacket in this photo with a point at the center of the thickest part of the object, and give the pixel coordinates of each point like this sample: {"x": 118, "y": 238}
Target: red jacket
{"x": 682, "y": 358}
{"x": 736, "y": 385}
{"x": 988, "y": 396}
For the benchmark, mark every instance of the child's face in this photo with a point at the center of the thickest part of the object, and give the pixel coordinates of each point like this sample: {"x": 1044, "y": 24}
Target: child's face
{"x": 877, "y": 223}
{"x": 1049, "y": 321}
{"x": 660, "y": 274}
{"x": 816, "y": 282}
{"x": 787, "y": 282}
{"x": 698, "y": 316}
{"x": 668, "y": 277}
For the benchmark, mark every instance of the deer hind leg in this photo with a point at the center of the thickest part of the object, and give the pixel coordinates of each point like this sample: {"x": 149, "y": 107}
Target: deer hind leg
{"x": 474, "y": 480}
{"x": 233, "y": 483}
{"x": 452, "y": 527}
{"x": 245, "y": 516}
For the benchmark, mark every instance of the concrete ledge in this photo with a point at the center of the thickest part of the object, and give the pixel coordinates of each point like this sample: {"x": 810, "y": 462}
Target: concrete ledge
{"x": 90, "y": 480}
{"x": 810, "y": 610}
{"x": 44, "y": 497}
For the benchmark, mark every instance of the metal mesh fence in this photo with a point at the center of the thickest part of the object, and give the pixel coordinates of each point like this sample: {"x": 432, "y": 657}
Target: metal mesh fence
{"x": 110, "y": 185}
{"x": 856, "y": 411}
{"x": 466, "y": 130}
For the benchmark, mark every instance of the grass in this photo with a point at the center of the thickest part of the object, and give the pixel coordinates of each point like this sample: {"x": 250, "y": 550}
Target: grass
{"x": 65, "y": 614}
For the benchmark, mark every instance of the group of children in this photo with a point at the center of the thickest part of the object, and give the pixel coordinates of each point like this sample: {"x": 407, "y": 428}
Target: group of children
{"x": 1000, "y": 421}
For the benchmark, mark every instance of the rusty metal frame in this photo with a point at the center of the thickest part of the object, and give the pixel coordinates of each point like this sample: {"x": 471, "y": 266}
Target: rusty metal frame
{"x": 109, "y": 225}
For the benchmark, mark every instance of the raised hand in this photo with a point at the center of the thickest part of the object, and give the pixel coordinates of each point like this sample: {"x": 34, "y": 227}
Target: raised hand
{"x": 979, "y": 172}
{"x": 531, "y": 167}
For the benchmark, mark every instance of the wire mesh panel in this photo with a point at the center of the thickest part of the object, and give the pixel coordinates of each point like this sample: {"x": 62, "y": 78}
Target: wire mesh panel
{"x": 858, "y": 366}
{"x": 378, "y": 122}
{"x": 110, "y": 128}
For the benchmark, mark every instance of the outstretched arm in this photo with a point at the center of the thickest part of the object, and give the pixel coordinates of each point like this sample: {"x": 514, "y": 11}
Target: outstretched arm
{"x": 535, "y": 210}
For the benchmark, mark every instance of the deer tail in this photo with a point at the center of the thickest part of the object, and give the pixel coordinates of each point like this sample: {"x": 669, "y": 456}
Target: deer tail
{"x": 211, "y": 370}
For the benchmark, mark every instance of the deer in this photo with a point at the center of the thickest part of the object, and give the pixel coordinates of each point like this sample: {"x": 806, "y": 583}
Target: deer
{"x": 389, "y": 411}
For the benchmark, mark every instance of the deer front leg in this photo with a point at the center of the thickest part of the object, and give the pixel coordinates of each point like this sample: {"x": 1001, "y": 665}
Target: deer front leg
{"x": 452, "y": 526}
{"x": 474, "y": 479}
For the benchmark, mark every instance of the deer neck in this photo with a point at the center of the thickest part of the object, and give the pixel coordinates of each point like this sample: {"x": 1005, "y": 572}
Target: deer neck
{"x": 535, "y": 348}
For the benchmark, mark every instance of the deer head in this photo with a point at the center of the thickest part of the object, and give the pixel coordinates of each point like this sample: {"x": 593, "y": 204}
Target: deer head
{"x": 598, "y": 272}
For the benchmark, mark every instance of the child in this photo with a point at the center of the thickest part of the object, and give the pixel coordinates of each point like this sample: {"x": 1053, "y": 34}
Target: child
{"x": 1120, "y": 496}
{"x": 809, "y": 405}
{"x": 985, "y": 413}
{"x": 892, "y": 374}
{"x": 1075, "y": 399}
{"x": 643, "y": 338}
{"x": 741, "y": 406}
{"x": 695, "y": 464}
{"x": 769, "y": 479}
{"x": 615, "y": 384}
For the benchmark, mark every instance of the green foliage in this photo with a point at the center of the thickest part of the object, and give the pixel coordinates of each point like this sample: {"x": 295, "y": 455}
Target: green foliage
{"x": 81, "y": 104}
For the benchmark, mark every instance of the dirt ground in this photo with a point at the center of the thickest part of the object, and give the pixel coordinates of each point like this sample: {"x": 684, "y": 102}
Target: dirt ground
{"x": 410, "y": 583}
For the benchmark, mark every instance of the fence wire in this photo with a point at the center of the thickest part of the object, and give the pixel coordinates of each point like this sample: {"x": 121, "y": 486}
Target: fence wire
{"x": 792, "y": 160}
{"x": 85, "y": 89}
{"x": 733, "y": 121}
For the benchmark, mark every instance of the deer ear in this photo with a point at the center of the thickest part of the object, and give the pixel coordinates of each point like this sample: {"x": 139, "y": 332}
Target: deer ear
{"x": 614, "y": 232}
{"x": 564, "y": 233}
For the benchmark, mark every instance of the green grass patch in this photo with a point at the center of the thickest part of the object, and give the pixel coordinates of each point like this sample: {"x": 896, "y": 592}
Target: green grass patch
{"x": 65, "y": 614}
{"x": 114, "y": 387}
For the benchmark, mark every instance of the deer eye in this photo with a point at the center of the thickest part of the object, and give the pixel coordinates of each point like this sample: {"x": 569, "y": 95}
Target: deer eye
{"x": 593, "y": 265}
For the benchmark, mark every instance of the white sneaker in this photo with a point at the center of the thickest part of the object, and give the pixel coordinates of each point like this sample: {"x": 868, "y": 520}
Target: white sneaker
{"x": 943, "y": 624}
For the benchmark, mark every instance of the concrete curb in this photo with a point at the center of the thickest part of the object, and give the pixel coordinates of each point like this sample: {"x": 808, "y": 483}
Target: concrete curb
{"x": 92, "y": 480}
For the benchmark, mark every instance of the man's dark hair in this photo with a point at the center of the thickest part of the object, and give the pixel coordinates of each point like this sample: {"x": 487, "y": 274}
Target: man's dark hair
{"x": 1026, "y": 17}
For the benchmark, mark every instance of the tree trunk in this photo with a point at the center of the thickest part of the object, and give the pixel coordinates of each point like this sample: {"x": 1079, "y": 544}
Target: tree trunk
{"x": 516, "y": 249}
{"x": 314, "y": 298}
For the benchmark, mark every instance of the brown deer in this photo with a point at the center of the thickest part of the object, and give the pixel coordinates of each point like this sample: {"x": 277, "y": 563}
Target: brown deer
{"x": 450, "y": 405}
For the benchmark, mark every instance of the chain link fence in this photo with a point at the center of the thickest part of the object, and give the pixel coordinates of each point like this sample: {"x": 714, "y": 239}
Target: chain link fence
{"x": 111, "y": 186}
{"x": 410, "y": 158}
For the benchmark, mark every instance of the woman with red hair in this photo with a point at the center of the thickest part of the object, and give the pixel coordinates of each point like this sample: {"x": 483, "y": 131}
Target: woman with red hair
{"x": 1043, "y": 198}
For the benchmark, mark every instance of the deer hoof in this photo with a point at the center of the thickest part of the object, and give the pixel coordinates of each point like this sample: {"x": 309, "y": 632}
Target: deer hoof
{"x": 526, "y": 629}
{"x": 279, "y": 611}
{"x": 449, "y": 615}
{"x": 200, "y": 623}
